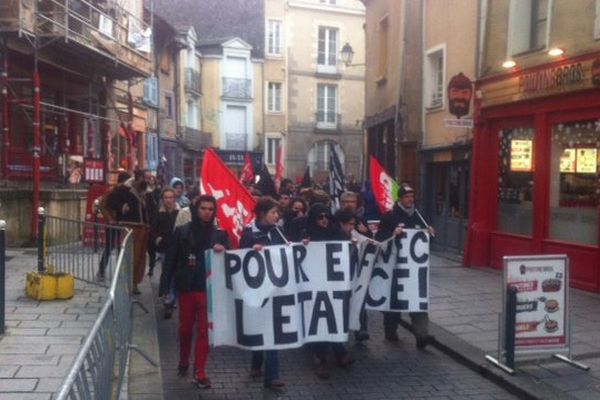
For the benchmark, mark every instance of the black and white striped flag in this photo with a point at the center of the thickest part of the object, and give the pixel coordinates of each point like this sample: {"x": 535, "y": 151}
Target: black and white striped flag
{"x": 337, "y": 181}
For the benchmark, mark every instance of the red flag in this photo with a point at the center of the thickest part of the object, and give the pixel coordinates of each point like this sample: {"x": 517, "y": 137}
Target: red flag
{"x": 247, "y": 173}
{"x": 279, "y": 168}
{"x": 385, "y": 188}
{"x": 235, "y": 204}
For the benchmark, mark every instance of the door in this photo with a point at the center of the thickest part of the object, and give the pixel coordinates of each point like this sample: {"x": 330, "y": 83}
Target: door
{"x": 449, "y": 204}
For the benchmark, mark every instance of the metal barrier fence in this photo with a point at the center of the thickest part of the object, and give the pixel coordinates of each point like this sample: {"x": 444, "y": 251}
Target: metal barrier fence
{"x": 87, "y": 251}
{"x": 84, "y": 249}
{"x": 99, "y": 368}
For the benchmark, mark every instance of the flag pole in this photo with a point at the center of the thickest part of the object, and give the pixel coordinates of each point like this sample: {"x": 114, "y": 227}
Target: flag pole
{"x": 423, "y": 219}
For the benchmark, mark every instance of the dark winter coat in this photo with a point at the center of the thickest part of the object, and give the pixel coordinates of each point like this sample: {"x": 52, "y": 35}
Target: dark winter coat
{"x": 186, "y": 264}
{"x": 124, "y": 194}
{"x": 264, "y": 235}
{"x": 161, "y": 230}
{"x": 391, "y": 219}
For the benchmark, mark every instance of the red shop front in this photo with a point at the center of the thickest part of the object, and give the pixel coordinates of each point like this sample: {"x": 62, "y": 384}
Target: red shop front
{"x": 536, "y": 176}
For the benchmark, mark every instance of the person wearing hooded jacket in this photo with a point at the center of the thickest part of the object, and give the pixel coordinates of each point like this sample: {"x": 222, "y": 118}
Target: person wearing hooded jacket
{"x": 186, "y": 265}
{"x": 404, "y": 215}
{"x": 264, "y": 231}
{"x": 321, "y": 227}
{"x": 177, "y": 184}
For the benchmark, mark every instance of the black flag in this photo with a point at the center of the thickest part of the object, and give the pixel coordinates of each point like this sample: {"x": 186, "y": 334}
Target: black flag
{"x": 337, "y": 181}
{"x": 265, "y": 183}
{"x": 306, "y": 179}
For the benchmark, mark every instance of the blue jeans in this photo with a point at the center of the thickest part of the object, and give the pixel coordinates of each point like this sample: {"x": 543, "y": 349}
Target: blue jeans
{"x": 271, "y": 364}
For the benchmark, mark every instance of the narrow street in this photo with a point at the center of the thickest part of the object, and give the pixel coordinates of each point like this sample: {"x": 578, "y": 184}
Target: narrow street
{"x": 383, "y": 371}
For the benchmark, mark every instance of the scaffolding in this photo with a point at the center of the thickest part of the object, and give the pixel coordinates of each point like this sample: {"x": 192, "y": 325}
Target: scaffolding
{"x": 60, "y": 34}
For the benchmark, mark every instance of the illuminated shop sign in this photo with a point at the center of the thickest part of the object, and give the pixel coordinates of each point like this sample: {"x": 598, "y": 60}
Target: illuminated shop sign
{"x": 567, "y": 161}
{"x": 521, "y": 155}
{"x": 587, "y": 161}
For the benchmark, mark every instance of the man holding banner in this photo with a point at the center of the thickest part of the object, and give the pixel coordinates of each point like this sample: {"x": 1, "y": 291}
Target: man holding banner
{"x": 187, "y": 267}
{"x": 404, "y": 215}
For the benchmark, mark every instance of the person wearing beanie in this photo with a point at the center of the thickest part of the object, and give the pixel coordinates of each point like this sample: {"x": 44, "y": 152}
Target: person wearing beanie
{"x": 404, "y": 215}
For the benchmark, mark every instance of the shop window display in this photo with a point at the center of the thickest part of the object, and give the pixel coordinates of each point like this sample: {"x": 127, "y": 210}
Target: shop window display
{"x": 515, "y": 180}
{"x": 574, "y": 182}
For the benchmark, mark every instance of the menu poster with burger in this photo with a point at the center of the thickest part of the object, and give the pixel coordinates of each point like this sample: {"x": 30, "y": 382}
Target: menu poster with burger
{"x": 541, "y": 300}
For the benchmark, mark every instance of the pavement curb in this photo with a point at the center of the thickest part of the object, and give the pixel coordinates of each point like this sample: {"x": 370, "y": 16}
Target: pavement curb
{"x": 521, "y": 384}
{"x": 144, "y": 379}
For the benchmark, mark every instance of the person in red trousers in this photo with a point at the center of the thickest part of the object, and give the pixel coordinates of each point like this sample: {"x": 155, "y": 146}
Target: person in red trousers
{"x": 186, "y": 265}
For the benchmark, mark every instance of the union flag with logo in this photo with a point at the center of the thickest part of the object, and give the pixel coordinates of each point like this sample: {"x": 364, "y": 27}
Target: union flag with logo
{"x": 385, "y": 188}
{"x": 235, "y": 204}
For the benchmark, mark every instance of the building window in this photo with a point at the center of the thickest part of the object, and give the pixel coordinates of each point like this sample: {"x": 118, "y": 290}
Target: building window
{"x": 327, "y": 56}
{"x": 192, "y": 115}
{"x": 383, "y": 49}
{"x": 271, "y": 148}
{"x": 274, "y": 40}
{"x": 151, "y": 91}
{"x": 318, "y": 156}
{"x": 574, "y": 185}
{"x": 528, "y": 25}
{"x": 274, "y": 97}
{"x": 151, "y": 151}
{"x": 515, "y": 181}
{"x": 597, "y": 21}
{"x": 236, "y": 127}
{"x": 326, "y": 106}
{"x": 434, "y": 78}
{"x": 191, "y": 58}
{"x": 169, "y": 106}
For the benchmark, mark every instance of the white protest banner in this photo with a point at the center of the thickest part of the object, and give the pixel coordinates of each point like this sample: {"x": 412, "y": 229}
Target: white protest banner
{"x": 283, "y": 296}
{"x": 367, "y": 252}
{"x": 400, "y": 278}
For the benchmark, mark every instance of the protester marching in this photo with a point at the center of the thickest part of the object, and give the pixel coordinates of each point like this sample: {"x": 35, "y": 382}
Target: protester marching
{"x": 264, "y": 265}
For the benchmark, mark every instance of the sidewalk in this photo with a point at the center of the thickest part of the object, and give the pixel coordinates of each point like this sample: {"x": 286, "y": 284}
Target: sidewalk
{"x": 41, "y": 338}
{"x": 465, "y": 303}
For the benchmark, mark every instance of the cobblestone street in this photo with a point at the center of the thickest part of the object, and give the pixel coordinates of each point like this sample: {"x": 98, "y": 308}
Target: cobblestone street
{"x": 383, "y": 371}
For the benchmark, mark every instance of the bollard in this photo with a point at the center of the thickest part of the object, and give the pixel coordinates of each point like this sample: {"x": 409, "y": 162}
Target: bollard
{"x": 510, "y": 326}
{"x": 96, "y": 211}
{"x": 2, "y": 274}
{"x": 41, "y": 238}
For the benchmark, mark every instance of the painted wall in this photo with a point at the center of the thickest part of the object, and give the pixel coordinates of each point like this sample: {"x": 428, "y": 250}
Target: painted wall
{"x": 460, "y": 49}
{"x": 211, "y": 97}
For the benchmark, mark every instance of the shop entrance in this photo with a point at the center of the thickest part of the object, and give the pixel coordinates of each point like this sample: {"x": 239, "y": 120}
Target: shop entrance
{"x": 447, "y": 201}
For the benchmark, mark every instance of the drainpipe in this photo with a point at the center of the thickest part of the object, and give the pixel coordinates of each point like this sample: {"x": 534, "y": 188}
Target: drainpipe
{"x": 37, "y": 148}
{"x": 156, "y": 74}
{"x": 5, "y": 113}
{"x": 398, "y": 120}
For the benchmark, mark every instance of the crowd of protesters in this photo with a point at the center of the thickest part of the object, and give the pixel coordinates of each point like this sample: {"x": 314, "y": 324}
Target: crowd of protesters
{"x": 175, "y": 224}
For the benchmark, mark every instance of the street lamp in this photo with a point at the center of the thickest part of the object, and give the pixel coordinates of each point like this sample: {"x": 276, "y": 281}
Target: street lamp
{"x": 347, "y": 54}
